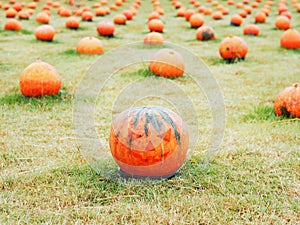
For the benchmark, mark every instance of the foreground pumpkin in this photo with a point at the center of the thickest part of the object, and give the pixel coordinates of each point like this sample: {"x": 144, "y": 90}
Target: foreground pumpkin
{"x": 290, "y": 39}
{"x": 106, "y": 28}
{"x": 12, "y": 24}
{"x": 149, "y": 142}
{"x": 89, "y": 45}
{"x": 40, "y": 79}
{"x": 167, "y": 63}
{"x": 287, "y": 103}
{"x": 233, "y": 48}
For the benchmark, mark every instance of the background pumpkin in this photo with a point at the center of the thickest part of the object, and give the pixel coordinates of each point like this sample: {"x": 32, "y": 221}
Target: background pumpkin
{"x": 205, "y": 33}
{"x": 251, "y": 29}
{"x": 12, "y": 24}
{"x": 149, "y": 141}
{"x": 156, "y": 25}
{"x": 89, "y": 45}
{"x": 153, "y": 38}
{"x": 39, "y": 79}
{"x": 106, "y": 28}
{"x": 167, "y": 63}
{"x": 44, "y": 33}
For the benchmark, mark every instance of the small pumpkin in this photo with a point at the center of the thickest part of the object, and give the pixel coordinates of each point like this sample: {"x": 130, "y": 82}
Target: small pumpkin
{"x": 233, "y": 48}
{"x": 148, "y": 142}
{"x": 156, "y": 25}
{"x": 11, "y": 13}
{"x": 72, "y": 23}
{"x": 64, "y": 12}
{"x": 188, "y": 13}
{"x": 167, "y": 62}
{"x": 12, "y": 24}
{"x": 260, "y": 17}
{"x": 153, "y": 38}
{"x": 251, "y": 29}
{"x": 196, "y": 20}
{"x": 40, "y": 79}
{"x": 100, "y": 11}
{"x": 287, "y": 102}
{"x": 23, "y": 15}
{"x": 120, "y": 19}
{"x": 128, "y": 14}
{"x": 45, "y": 32}
{"x": 42, "y": 17}
{"x": 205, "y": 33}
{"x": 153, "y": 15}
{"x": 236, "y": 20}
{"x": 87, "y": 16}
{"x": 89, "y": 45}
{"x": 217, "y": 15}
{"x": 282, "y": 23}
{"x": 290, "y": 39}
{"x": 106, "y": 28}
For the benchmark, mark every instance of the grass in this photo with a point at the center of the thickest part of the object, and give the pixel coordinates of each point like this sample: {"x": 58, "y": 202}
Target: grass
{"x": 253, "y": 179}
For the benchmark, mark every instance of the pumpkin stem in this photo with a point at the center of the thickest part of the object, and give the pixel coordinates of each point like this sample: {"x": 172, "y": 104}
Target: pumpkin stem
{"x": 296, "y": 85}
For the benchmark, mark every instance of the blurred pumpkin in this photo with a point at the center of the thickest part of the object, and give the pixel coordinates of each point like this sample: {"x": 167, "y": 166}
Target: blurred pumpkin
{"x": 89, "y": 45}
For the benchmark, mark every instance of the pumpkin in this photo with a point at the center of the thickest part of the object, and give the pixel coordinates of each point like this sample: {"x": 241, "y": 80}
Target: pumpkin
{"x": 87, "y": 16}
{"x": 233, "y": 48}
{"x": 10, "y": 13}
{"x": 23, "y": 15}
{"x": 260, "y": 17}
{"x": 89, "y": 45}
{"x": 106, "y": 28}
{"x": 17, "y": 6}
{"x": 64, "y": 12}
{"x": 156, "y": 25}
{"x": 148, "y": 142}
{"x": 12, "y": 24}
{"x": 72, "y": 23}
{"x": 153, "y": 15}
{"x": 128, "y": 14}
{"x": 167, "y": 63}
{"x": 188, "y": 13}
{"x": 100, "y": 11}
{"x": 287, "y": 14}
{"x": 243, "y": 13}
{"x": 251, "y": 29}
{"x": 282, "y": 23}
{"x": 153, "y": 38}
{"x": 287, "y": 102}
{"x": 290, "y": 39}
{"x": 196, "y": 20}
{"x": 217, "y": 15}
{"x": 39, "y": 79}
{"x": 42, "y": 17}
{"x": 120, "y": 19}
{"x": 44, "y": 33}
{"x": 205, "y": 33}
{"x": 236, "y": 20}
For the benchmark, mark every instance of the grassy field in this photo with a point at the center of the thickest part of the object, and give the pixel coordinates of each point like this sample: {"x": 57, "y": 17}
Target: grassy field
{"x": 253, "y": 179}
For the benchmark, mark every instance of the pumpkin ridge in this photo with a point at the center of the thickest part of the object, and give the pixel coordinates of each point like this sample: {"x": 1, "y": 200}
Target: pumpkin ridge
{"x": 168, "y": 119}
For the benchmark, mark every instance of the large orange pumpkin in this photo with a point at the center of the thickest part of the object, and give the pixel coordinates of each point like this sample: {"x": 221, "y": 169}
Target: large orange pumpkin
{"x": 149, "y": 142}
{"x": 287, "y": 102}
{"x": 205, "y": 33}
{"x": 260, "y": 17}
{"x": 89, "y": 45}
{"x": 233, "y": 48}
{"x": 39, "y": 79}
{"x": 106, "y": 28}
{"x": 167, "y": 63}
{"x": 44, "y": 33}
{"x": 153, "y": 38}
{"x": 290, "y": 39}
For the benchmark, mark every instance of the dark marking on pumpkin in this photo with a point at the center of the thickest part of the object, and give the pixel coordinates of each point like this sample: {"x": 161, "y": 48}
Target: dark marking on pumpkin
{"x": 207, "y": 35}
{"x": 168, "y": 119}
{"x": 146, "y": 124}
{"x": 137, "y": 118}
{"x": 130, "y": 141}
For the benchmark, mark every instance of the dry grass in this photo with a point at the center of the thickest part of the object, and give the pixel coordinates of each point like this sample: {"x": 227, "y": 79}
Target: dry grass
{"x": 254, "y": 179}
